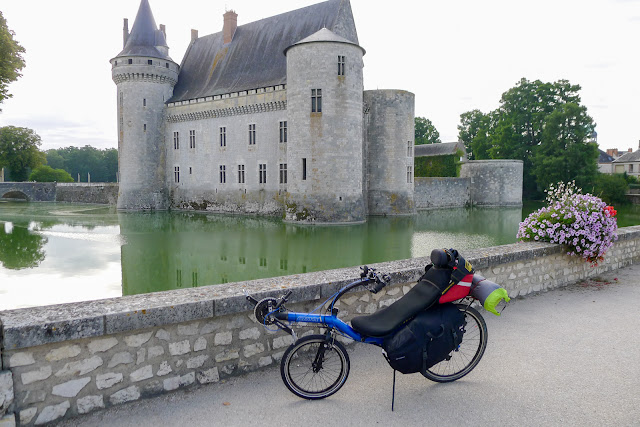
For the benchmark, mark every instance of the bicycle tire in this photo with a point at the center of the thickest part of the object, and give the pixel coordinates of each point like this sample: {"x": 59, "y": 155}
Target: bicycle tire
{"x": 468, "y": 354}
{"x": 309, "y": 382}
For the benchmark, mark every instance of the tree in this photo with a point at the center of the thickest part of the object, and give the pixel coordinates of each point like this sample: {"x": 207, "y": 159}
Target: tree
{"x": 426, "y": 132}
{"x": 544, "y": 125}
{"x": 102, "y": 165}
{"x": 11, "y": 61}
{"x": 19, "y": 151}
{"x": 46, "y": 173}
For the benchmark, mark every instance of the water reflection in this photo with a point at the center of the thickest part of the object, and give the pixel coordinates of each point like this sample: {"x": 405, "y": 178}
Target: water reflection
{"x": 52, "y": 253}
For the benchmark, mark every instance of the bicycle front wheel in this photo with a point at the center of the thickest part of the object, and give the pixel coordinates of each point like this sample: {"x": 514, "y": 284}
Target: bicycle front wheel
{"x": 314, "y": 368}
{"x": 462, "y": 360}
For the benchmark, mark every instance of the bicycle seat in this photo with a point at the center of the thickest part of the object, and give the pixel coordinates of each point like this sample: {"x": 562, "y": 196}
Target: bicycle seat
{"x": 423, "y": 295}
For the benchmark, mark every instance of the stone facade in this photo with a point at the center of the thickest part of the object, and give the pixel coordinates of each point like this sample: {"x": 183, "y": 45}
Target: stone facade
{"x": 102, "y": 193}
{"x": 494, "y": 182}
{"x": 68, "y": 360}
{"x": 435, "y": 193}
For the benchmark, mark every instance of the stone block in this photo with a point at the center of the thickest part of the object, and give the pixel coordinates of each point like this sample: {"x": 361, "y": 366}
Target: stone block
{"x": 99, "y": 346}
{"x": 250, "y": 334}
{"x": 122, "y": 358}
{"x": 227, "y": 355}
{"x": 168, "y": 314}
{"x": 253, "y": 349}
{"x": 208, "y": 376}
{"x": 21, "y": 359}
{"x": 179, "y": 348}
{"x": 164, "y": 369}
{"x": 52, "y": 413}
{"x": 163, "y": 335}
{"x": 196, "y": 362}
{"x": 38, "y": 375}
{"x": 143, "y": 373}
{"x": 155, "y": 351}
{"x": 200, "y": 344}
{"x": 108, "y": 380}
{"x": 283, "y": 341}
{"x": 39, "y": 326}
{"x": 9, "y": 420}
{"x": 6, "y": 391}
{"x": 125, "y": 395}
{"x": 70, "y": 388}
{"x": 32, "y": 396}
{"x": 80, "y": 367}
{"x": 174, "y": 383}
{"x": 188, "y": 330}
{"x": 138, "y": 339}
{"x": 27, "y": 415}
{"x": 66, "y": 352}
{"x": 265, "y": 361}
{"x": 223, "y": 338}
{"x": 90, "y": 403}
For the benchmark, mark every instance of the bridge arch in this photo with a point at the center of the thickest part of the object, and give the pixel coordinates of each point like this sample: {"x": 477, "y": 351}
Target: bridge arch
{"x": 15, "y": 194}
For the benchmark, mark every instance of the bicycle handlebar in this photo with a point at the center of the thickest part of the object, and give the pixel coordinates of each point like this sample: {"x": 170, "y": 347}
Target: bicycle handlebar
{"x": 371, "y": 275}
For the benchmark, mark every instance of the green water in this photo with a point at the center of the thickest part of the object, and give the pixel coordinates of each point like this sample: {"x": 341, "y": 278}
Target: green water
{"x": 54, "y": 253}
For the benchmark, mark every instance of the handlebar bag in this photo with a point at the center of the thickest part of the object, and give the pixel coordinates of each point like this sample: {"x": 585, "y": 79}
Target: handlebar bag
{"x": 426, "y": 340}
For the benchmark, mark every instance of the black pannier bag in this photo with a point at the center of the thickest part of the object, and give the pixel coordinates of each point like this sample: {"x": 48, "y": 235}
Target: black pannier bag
{"x": 425, "y": 340}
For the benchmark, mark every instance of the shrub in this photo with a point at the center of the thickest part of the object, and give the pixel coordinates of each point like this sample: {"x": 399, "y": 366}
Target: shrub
{"x": 46, "y": 173}
{"x": 611, "y": 188}
{"x": 581, "y": 222}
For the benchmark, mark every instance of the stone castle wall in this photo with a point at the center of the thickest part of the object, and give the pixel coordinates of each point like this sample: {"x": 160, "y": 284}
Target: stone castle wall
{"x": 98, "y": 193}
{"x": 435, "y": 193}
{"x": 68, "y": 360}
{"x": 494, "y": 182}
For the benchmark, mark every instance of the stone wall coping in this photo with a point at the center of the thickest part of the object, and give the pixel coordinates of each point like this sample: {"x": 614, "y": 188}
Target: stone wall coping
{"x": 495, "y": 161}
{"x": 30, "y": 327}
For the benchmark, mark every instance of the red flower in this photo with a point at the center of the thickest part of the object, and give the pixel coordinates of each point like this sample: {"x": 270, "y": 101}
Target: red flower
{"x": 611, "y": 211}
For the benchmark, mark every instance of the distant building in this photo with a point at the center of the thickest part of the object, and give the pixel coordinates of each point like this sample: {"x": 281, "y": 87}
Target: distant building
{"x": 605, "y": 162}
{"x": 268, "y": 117}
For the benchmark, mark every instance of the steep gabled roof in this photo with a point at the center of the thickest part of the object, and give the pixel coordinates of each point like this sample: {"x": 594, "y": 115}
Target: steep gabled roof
{"x": 255, "y": 57}
{"x": 604, "y": 157}
{"x": 145, "y": 36}
{"x": 628, "y": 157}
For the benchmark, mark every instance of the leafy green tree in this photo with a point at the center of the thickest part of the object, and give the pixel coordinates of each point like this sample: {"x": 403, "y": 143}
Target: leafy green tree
{"x": 19, "y": 151}
{"x": 54, "y": 159}
{"x": 473, "y": 131}
{"x": 102, "y": 165}
{"x": 46, "y": 173}
{"x": 426, "y": 132}
{"x": 11, "y": 61}
{"x": 612, "y": 188}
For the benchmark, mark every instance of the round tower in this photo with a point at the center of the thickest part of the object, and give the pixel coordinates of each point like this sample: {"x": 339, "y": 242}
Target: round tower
{"x": 389, "y": 126}
{"x": 325, "y": 148}
{"x": 145, "y": 76}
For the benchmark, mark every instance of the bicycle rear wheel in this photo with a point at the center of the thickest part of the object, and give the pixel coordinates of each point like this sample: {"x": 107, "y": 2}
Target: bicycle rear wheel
{"x": 314, "y": 368}
{"x": 462, "y": 360}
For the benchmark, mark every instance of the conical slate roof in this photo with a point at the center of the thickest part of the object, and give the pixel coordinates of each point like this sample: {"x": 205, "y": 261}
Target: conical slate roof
{"x": 255, "y": 57}
{"x": 323, "y": 35}
{"x": 145, "y": 36}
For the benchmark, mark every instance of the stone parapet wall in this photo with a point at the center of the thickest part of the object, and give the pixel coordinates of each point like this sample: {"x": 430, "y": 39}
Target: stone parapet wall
{"x": 434, "y": 193}
{"x": 494, "y": 182}
{"x": 68, "y": 360}
{"x": 98, "y": 193}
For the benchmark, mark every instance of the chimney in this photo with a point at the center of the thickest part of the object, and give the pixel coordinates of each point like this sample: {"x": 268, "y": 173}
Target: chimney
{"x": 125, "y": 32}
{"x": 164, "y": 31}
{"x": 194, "y": 35}
{"x": 630, "y": 150}
{"x": 230, "y": 25}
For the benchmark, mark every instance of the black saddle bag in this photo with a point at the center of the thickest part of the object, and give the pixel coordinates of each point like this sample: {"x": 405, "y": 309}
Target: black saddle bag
{"x": 426, "y": 340}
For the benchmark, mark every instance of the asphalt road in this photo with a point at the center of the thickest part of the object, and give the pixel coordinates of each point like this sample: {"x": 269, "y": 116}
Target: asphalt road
{"x": 565, "y": 357}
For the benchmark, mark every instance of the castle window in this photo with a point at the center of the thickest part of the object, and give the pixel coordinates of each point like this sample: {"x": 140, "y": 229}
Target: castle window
{"x": 240, "y": 174}
{"x": 176, "y": 174}
{"x": 194, "y": 279}
{"x": 252, "y": 134}
{"x": 409, "y": 174}
{"x": 223, "y": 137}
{"x": 316, "y": 100}
{"x": 144, "y": 127}
{"x": 130, "y": 61}
{"x": 283, "y": 131}
{"x": 340, "y": 65}
{"x": 631, "y": 168}
{"x": 144, "y": 102}
{"x": 262, "y": 173}
{"x": 190, "y": 170}
{"x": 283, "y": 173}
{"x": 149, "y": 61}
{"x": 409, "y": 149}
{"x": 192, "y": 139}
{"x": 304, "y": 169}
{"x": 176, "y": 141}
{"x": 166, "y": 64}
{"x": 223, "y": 174}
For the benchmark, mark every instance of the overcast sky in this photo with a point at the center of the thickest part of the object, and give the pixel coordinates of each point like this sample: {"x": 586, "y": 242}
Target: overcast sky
{"x": 455, "y": 56}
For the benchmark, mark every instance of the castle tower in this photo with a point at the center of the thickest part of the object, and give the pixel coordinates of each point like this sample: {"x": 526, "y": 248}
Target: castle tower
{"x": 145, "y": 76}
{"x": 325, "y": 148}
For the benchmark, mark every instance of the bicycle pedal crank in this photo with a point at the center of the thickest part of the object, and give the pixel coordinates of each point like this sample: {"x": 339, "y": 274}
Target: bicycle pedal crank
{"x": 263, "y": 308}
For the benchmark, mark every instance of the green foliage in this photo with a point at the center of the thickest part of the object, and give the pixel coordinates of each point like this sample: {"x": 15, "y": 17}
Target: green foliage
{"x": 438, "y": 166}
{"x": 11, "y": 61}
{"x": 611, "y": 188}
{"x": 21, "y": 249}
{"x": 46, "y": 173}
{"x": 19, "y": 151}
{"x": 425, "y": 132}
{"x": 544, "y": 125}
{"x": 101, "y": 164}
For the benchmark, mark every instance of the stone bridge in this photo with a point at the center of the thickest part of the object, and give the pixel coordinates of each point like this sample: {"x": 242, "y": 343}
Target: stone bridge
{"x": 29, "y": 191}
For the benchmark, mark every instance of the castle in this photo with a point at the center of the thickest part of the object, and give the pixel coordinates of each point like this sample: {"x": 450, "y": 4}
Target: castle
{"x": 269, "y": 117}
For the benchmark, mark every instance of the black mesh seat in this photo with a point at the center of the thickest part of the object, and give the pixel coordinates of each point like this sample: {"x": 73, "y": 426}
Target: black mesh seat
{"x": 421, "y": 297}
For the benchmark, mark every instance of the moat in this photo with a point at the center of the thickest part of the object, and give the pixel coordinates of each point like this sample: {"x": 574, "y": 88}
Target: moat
{"x": 55, "y": 253}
